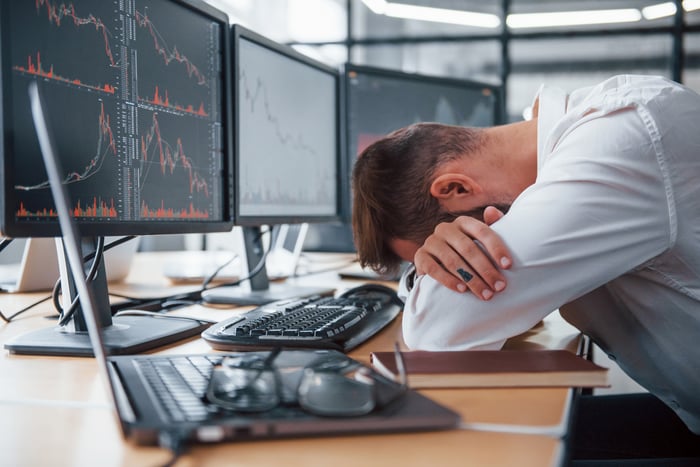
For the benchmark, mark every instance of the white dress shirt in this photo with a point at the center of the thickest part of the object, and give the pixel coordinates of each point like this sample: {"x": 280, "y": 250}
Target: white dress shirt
{"x": 609, "y": 234}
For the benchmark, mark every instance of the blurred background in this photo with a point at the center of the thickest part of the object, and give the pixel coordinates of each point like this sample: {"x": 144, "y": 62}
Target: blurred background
{"x": 516, "y": 43}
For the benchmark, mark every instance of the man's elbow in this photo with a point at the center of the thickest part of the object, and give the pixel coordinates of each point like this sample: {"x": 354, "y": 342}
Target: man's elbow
{"x": 431, "y": 329}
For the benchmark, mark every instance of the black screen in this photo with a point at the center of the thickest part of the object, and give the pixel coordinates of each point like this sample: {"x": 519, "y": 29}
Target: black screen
{"x": 137, "y": 99}
{"x": 379, "y": 101}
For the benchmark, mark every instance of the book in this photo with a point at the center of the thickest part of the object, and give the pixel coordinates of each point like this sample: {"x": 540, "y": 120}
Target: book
{"x": 493, "y": 368}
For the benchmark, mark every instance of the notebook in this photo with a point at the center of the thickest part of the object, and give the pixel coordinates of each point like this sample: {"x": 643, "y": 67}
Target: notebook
{"x": 494, "y": 368}
{"x": 148, "y": 411}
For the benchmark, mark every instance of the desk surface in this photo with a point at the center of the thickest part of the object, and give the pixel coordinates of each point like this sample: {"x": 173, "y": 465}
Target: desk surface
{"x": 60, "y": 405}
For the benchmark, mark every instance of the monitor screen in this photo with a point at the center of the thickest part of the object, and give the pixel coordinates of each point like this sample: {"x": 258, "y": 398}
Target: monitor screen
{"x": 288, "y": 151}
{"x": 287, "y": 155}
{"x": 138, "y": 102}
{"x": 380, "y": 101}
{"x": 136, "y": 96}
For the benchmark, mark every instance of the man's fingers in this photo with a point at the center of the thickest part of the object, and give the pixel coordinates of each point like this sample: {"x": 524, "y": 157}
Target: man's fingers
{"x": 476, "y": 284}
{"x": 471, "y": 254}
{"x": 453, "y": 272}
{"x": 490, "y": 240}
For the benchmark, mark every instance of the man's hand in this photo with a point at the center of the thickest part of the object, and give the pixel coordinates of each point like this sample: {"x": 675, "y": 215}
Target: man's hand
{"x": 452, "y": 257}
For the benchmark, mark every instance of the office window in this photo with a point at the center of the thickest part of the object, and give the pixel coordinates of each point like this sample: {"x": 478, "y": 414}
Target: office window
{"x": 369, "y": 25}
{"x": 581, "y": 61}
{"x": 478, "y": 60}
{"x": 692, "y": 18}
{"x": 290, "y": 21}
{"x": 611, "y": 15}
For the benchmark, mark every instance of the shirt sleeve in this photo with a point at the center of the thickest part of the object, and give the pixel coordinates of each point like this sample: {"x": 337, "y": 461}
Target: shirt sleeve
{"x": 599, "y": 209}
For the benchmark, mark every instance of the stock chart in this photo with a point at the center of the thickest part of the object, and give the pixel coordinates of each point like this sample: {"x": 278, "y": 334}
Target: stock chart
{"x": 287, "y": 146}
{"x": 134, "y": 97}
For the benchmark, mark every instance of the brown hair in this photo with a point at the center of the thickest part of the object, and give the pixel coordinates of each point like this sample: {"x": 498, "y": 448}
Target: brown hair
{"x": 391, "y": 188}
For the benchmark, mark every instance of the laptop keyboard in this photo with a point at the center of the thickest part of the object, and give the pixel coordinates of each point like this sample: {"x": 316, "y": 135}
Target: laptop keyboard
{"x": 180, "y": 384}
{"x": 341, "y": 323}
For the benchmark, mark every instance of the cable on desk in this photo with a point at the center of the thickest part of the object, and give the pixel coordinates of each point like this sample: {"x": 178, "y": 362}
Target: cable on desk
{"x": 97, "y": 256}
{"x": 9, "y": 318}
{"x": 188, "y": 298}
{"x": 170, "y": 302}
{"x": 4, "y": 243}
{"x": 155, "y": 314}
{"x": 337, "y": 267}
{"x": 66, "y": 315}
{"x": 173, "y": 441}
{"x": 212, "y": 276}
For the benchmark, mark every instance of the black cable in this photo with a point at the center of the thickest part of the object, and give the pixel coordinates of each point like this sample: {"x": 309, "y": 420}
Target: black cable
{"x": 173, "y": 441}
{"x": 212, "y": 276}
{"x": 96, "y": 256}
{"x": 56, "y": 290}
{"x": 329, "y": 269}
{"x": 171, "y": 302}
{"x": 194, "y": 297}
{"x": 4, "y": 243}
{"x": 110, "y": 245}
{"x": 161, "y": 315}
{"x": 258, "y": 267}
{"x": 9, "y": 318}
{"x": 67, "y": 315}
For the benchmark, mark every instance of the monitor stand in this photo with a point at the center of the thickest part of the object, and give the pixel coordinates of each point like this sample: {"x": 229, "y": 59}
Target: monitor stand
{"x": 122, "y": 334}
{"x": 261, "y": 290}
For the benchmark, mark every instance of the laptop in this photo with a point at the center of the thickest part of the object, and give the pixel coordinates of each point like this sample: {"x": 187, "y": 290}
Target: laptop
{"x": 38, "y": 268}
{"x": 285, "y": 251}
{"x": 151, "y": 411}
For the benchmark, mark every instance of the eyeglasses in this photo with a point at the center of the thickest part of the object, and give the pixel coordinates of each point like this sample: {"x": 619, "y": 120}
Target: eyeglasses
{"x": 332, "y": 385}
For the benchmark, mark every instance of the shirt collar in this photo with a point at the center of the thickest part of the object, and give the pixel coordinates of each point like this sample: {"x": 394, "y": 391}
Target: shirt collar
{"x": 551, "y": 109}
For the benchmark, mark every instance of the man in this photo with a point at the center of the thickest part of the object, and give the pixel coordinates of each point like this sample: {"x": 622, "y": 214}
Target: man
{"x": 603, "y": 222}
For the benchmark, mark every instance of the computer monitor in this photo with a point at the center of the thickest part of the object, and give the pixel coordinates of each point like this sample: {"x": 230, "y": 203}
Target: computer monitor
{"x": 287, "y": 154}
{"x": 379, "y": 101}
{"x": 138, "y": 99}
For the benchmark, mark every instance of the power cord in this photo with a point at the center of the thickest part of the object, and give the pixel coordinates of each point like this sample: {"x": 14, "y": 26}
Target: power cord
{"x": 4, "y": 243}
{"x": 156, "y": 314}
{"x": 187, "y": 298}
{"x": 337, "y": 267}
{"x": 9, "y": 318}
{"x": 212, "y": 276}
{"x": 66, "y": 315}
{"x": 173, "y": 441}
{"x": 97, "y": 256}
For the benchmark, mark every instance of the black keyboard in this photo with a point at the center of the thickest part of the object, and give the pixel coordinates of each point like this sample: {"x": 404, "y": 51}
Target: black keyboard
{"x": 338, "y": 323}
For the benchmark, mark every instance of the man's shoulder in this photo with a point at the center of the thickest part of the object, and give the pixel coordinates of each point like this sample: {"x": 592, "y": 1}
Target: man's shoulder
{"x": 626, "y": 87}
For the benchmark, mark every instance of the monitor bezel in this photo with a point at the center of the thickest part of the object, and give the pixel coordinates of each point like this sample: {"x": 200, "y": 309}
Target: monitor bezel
{"x": 240, "y": 32}
{"x": 387, "y": 73}
{"x": 9, "y": 226}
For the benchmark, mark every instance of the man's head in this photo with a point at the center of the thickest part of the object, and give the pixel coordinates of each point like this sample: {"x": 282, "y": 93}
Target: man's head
{"x": 394, "y": 188}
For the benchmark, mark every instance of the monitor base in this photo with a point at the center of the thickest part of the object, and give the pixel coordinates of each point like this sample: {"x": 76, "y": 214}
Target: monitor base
{"x": 126, "y": 335}
{"x": 276, "y": 291}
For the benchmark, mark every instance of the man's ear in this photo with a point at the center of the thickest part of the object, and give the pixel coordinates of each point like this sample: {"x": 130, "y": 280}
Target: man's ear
{"x": 453, "y": 190}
